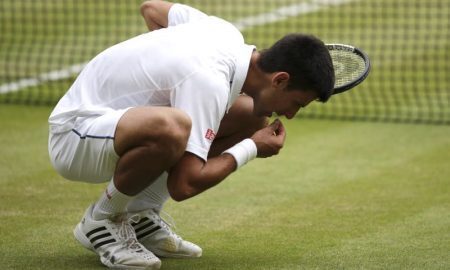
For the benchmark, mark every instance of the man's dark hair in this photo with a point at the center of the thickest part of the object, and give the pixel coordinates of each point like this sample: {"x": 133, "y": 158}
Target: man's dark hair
{"x": 307, "y": 61}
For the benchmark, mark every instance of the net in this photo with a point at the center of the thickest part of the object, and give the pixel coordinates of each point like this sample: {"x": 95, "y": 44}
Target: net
{"x": 44, "y": 45}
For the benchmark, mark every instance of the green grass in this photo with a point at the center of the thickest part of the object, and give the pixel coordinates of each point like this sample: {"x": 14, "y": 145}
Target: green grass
{"x": 341, "y": 195}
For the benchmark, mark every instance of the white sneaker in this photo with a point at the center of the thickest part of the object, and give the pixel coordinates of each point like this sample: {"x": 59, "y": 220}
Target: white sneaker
{"x": 115, "y": 242}
{"x": 155, "y": 234}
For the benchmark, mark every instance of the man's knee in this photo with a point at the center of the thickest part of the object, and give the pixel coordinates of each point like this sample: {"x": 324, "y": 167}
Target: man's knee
{"x": 168, "y": 134}
{"x": 175, "y": 131}
{"x": 241, "y": 119}
{"x": 261, "y": 122}
{"x": 183, "y": 123}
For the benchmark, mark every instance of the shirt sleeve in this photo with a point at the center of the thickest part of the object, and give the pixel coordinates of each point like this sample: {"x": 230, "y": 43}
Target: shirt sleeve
{"x": 204, "y": 98}
{"x": 179, "y": 14}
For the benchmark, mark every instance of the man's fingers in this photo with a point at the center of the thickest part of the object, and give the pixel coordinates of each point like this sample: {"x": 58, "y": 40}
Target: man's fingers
{"x": 281, "y": 132}
{"x": 278, "y": 128}
{"x": 275, "y": 124}
{"x": 270, "y": 139}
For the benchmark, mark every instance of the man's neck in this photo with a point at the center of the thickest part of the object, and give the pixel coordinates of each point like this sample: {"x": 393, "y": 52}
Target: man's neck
{"x": 256, "y": 78}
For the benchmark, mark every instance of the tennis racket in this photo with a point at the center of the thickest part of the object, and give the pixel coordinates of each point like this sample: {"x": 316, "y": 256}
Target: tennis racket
{"x": 351, "y": 66}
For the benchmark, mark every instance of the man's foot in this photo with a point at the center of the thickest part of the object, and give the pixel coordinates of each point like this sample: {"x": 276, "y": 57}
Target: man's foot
{"x": 115, "y": 242}
{"x": 154, "y": 233}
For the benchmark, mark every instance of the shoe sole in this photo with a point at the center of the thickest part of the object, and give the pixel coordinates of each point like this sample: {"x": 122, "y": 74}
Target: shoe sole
{"x": 164, "y": 254}
{"x": 84, "y": 241}
{"x": 156, "y": 266}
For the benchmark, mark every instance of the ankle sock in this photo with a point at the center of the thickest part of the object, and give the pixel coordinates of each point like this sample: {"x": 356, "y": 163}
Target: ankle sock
{"x": 111, "y": 203}
{"x": 153, "y": 197}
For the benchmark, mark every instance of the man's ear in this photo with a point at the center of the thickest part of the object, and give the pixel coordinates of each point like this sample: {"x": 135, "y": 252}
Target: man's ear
{"x": 280, "y": 80}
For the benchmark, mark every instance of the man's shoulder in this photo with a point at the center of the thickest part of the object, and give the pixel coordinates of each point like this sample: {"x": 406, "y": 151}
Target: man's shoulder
{"x": 213, "y": 28}
{"x": 226, "y": 25}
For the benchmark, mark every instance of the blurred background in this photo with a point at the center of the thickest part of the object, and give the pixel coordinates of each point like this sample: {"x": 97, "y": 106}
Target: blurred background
{"x": 44, "y": 44}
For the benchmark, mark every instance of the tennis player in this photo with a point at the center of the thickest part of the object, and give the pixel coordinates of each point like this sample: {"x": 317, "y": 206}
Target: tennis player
{"x": 172, "y": 113}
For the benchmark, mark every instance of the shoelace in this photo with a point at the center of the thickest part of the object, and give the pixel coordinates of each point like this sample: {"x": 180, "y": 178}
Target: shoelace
{"x": 169, "y": 225}
{"x": 126, "y": 233}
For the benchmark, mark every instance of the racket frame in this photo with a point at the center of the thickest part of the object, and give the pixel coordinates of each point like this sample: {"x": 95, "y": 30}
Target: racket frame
{"x": 364, "y": 74}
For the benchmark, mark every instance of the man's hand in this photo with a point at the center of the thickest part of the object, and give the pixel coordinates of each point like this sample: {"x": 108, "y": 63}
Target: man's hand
{"x": 270, "y": 139}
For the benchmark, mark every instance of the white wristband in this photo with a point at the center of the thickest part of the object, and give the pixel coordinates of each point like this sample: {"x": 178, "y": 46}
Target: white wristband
{"x": 243, "y": 152}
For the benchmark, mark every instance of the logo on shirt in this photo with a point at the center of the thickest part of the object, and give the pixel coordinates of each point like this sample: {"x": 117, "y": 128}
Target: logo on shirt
{"x": 210, "y": 135}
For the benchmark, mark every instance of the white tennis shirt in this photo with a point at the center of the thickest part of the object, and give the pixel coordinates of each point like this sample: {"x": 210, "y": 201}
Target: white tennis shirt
{"x": 198, "y": 64}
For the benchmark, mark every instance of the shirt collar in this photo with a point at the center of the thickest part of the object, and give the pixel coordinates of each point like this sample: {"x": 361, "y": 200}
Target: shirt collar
{"x": 242, "y": 64}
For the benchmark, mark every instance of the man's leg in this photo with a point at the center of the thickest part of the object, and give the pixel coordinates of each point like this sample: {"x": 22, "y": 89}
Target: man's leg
{"x": 153, "y": 197}
{"x": 148, "y": 141}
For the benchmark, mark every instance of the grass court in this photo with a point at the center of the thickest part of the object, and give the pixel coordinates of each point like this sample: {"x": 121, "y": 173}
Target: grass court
{"x": 341, "y": 195}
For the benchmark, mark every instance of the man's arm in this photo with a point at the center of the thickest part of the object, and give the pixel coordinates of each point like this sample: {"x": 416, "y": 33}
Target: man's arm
{"x": 155, "y": 13}
{"x": 191, "y": 175}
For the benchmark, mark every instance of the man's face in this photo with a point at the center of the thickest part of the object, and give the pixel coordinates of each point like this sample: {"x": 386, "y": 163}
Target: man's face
{"x": 282, "y": 101}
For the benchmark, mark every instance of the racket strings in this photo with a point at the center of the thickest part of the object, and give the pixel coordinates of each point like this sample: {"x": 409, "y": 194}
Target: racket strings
{"x": 348, "y": 66}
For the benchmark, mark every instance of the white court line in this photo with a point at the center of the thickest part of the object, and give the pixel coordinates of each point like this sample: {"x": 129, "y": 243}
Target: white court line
{"x": 276, "y": 15}
{"x": 286, "y": 12}
{"x": 42, "y": 78}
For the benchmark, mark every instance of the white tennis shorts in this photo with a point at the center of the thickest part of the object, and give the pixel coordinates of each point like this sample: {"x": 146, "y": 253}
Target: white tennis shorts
{"x": 86, "y": 153}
